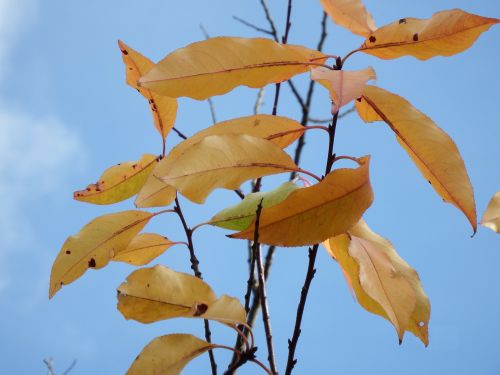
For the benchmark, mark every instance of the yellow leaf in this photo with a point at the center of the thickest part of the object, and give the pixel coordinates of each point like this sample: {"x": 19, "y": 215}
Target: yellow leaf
{"x": 118, "y": 182}
{"x": 143, "y": 249}
{"x": 491, "y": 217}
{"x": 95, "y": 245}
{"x": 344, "y": 85}
{"x": 350, "y": 14}
{"x": 281, "y": 131}
{"x": 299, "y": 220}
{"x": 446, "y": 33}
{"x": 168, "y": 355}
{"x": 223, "y": 161}
{"x": 159, "y": 293}
{"x": 384, "y": 283}
{"x": 217, "y": 65}
{"x": 163, "y": 108}
{"x": 430, "y": 148}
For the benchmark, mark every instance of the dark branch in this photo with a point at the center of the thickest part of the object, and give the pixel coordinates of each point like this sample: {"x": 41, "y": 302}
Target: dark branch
{"x": 252, "y": 26}
{"x": 179, "y": 133}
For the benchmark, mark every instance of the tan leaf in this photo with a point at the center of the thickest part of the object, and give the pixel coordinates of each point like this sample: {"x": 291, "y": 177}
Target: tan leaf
{"x": 118, "y": 182}
{"x": 446, "y": 33}
{"x": 384, "y": 283}
{"x": 350, "y": 14}
{"x": 95, "y": 245}
{"x": 281, "y": 131}
{"x": 223, "y": 161}
{"x": 491, "y": 217}
{"x": 168, "y": 355}
{"x": 159, "y": 293}
{"x": 217, "y": 65}
{"x": 344, "y": 85}
{"x": 299, "y": 220}
{"x": 163, "y": 108}
{"x": 143, "y": 249}
{"x": 431, "y": 149}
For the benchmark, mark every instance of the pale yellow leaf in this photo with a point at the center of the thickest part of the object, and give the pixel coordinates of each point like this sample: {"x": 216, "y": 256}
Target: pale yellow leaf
{"x": 95, "y": 245}
{"x": 226, "y": 310}
{"x": 312, "y": 214}
{"x": 431, "y": 149}
{"x": 118, "y": 182}
{"x": 223, "y": 161}
{"x": 491, "y": 217}
{"x": 168, "y": 355}
{"x": 281, "y": 131}
{"x": 217, "y": 65}
{"x": 350, "y": 14}
{"x": 383, "y": 282}
{"x": 344, "y": 85}
{"x": 163, "y": 108}
{"x": 143, "y": 249}
{"x": 444, "y": 34}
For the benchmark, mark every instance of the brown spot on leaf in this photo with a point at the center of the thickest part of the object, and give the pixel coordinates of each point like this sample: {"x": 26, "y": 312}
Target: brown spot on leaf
{"x": 359, "y": 99}
{"x": 68, "y": 252}
{"x": 373, "y": 39}
{"x": 415, "y": 37}
{"x": 201, "y": 308}
{"x": 124, "y": 51}
{"x": 402, "y": 20}
{"x": 91, "y": 263}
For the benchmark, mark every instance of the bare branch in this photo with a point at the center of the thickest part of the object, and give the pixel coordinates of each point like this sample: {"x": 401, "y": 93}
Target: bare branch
{"x": 252, "y": 26}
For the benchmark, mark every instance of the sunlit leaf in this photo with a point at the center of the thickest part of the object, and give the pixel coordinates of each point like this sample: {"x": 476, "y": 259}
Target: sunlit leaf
{"x": 118, "y": 182}
{"x": 446, "y": 33}
{"x": 430, "y": 148}
{"x": 143, "y": 249}
{"x": 163, "y": 108}
{"x": 281, "y": 131}
{"x": 384, "y": 283}
{"x": 223, "y": 161}
{"x": 168, "y": 355}
{"x": 350, "y": 14}
{"x": 218, "y": 65}
{"x": 491, "y": 217}
{"x": 241, "y": 215}
{"x": 95, "y": 245}
{"x": 159, "y": 293}
{"x": 311, "y": 215}
{"x": 344, "y": 85}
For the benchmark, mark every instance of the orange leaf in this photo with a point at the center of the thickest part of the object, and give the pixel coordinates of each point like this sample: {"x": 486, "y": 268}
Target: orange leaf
{"x": 350, "y": 14}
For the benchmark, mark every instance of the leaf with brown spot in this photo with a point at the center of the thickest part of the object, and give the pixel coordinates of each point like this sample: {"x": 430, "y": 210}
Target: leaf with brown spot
{"x": 384, "y": 283}
{"x": 163, "y": 108}
{"x": 119, "y": 182}
{"x": 431, "y": 149}
{"x": 143, "y": 249}
{"x": 95, "y": 245}
{"x": 446, "y": 33}
{"x": 350, "y": 14}
{"x": 312, "y": 214}
{"x": 491, "y": 217}
{"x": 168, "y": 355}
{"x": 217, "y": 65}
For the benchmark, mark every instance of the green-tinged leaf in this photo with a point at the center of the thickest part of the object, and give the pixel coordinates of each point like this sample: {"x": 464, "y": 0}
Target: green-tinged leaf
{"x": 95, "y": 245}
{"x": 143, "y": 249}
{"x": 311, "y": 215}
{"x": 350, "y": 14}
{"x": 217, "y": 65}
{"x": 118, "y": 182}
{"x": 491, "y": 217}
{"x": 431, "y": 149}
{"x": 168, "y": 355}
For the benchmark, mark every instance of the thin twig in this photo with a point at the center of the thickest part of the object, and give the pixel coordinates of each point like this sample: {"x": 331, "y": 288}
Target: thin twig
{"x": 179, "y": 133}
{"x": 259, "y": 101}
{"x": 252, "y": 26}
{"x": 49, "y": 362}
{"x": 70, "y": 367}
{"x": 326, "y": 121}
{"x": 209, "y": 100}
{"x": 195, "y": 267}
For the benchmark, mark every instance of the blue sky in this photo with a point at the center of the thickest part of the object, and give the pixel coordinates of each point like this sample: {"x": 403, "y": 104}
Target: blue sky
{"x": 66, "y": 115}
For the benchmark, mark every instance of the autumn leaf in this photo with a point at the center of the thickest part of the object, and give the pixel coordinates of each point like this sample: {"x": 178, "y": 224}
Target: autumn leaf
{"x": 159, "y": 293}
{"x": 350, "y": 14}
{"x": 446, "y": 33}
{"x": 118, "y": 182}
{"x": 344, "y": 85}
{"x": 491, "y": 217}
{"x": 223, "y": 161}
{"x": 163, "y": 108}
{"x": 95, "y": 245}
{"x": 168, "y": 355}
{"x": 217, "y": 65}
{"x": 241, "y": 215}
{"x": 281, "y": 131}
{"x": 311, "y": 215}
{"x": 143, "y": 249}
{"x": 431, "y": 149}
{"x": 384, "y": 283}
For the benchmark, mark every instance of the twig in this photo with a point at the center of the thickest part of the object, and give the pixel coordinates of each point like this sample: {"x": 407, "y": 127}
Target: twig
{"x": 179, "y": 133}
{"x": 326, "y": 121}
{"x": 49, "y": 362}
{"x": 259, "y": 101}
{"x": 252, "y": 26}
{"x": 70, "y": 367}
{"x": 194, "y": 266}
{"x": 209, "y": 100}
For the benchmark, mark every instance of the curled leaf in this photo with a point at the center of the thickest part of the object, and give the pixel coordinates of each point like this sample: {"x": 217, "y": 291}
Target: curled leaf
{"x": 350, "y": 14}
{"x": 143, "y": 249}
{"x": 491, "y": 217}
